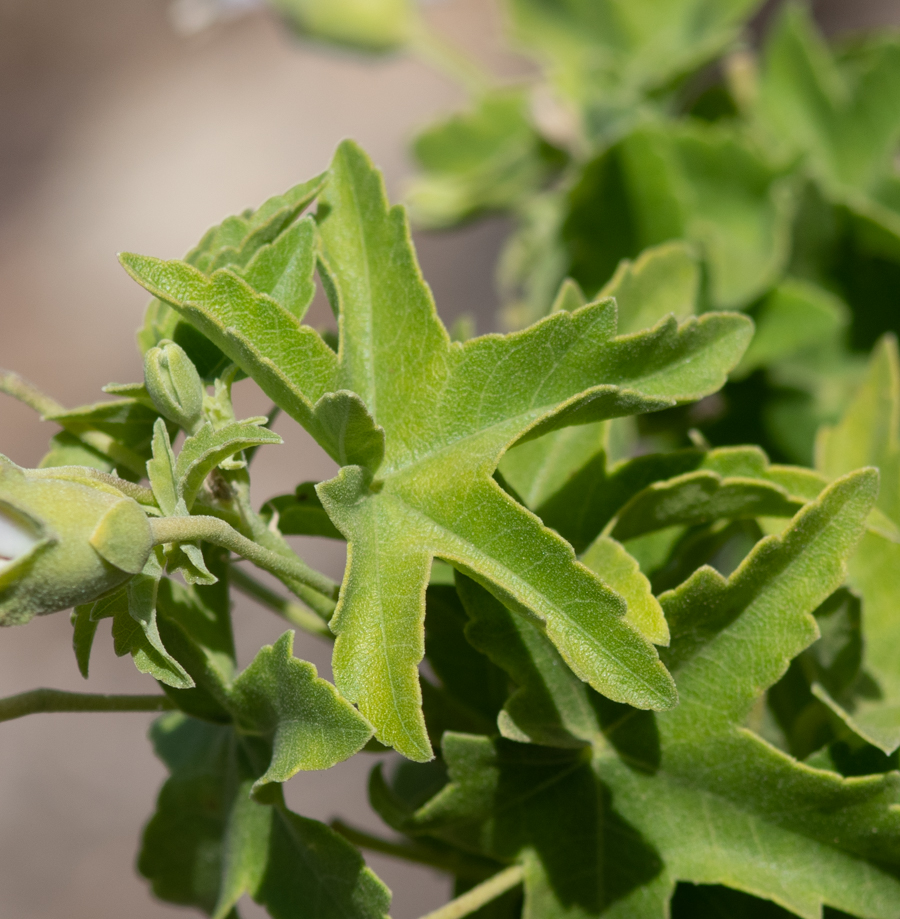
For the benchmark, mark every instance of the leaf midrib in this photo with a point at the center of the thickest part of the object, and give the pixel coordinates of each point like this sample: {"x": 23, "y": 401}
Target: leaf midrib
{"x": 512, "y": 577}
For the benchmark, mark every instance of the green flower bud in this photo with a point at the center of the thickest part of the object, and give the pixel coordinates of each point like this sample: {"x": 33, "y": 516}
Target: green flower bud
{"x": 174, "y": 385}
{"x": 65, "y": 539}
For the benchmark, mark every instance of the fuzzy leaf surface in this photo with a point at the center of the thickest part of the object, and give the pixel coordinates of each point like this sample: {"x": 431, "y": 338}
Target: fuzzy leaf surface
{"x": 447, "y": 419}
{"x": 688, "y": 794}
{"x": 869, "y": 432}
{"x": 310, "y": 726}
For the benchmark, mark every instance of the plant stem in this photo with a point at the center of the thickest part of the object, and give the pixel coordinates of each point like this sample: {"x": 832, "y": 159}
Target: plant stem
{"x": 251, "y": 525}
{"x": 449, "y": 60}
{"x": 17, "y": 387}
{"x": 140, "y": 494}
{"x": 469, "y": 867}
{"x": 219, "y": 533}
{"x": 58, "y": 700}
{"x": 294, "y": 613}
{"x": 475, "y": 898}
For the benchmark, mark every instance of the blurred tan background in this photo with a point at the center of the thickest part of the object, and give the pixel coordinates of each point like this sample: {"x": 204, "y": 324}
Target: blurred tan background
{"x": 118, "y": 134}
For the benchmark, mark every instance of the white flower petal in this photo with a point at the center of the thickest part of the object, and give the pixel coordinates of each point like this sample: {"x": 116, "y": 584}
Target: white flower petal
{"x": 15, "y": 540}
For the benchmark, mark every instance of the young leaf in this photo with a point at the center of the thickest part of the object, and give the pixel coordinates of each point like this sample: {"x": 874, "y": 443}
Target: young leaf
{"x": 135, "y": 630}
{"x": 206, "y": 449}
{"x": 84, "y": 628}
{"x": 310, "y": 726}
{"x": 695, "y": 796}
{"x": 869, "y": 432}
{"x": 234, "y": 243}
{"x": 290, "y": 361}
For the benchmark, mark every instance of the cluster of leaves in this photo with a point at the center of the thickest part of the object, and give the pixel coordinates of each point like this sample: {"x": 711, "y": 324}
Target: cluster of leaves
{"x": 776, "y": 166}
{"x": 643, "y": 675}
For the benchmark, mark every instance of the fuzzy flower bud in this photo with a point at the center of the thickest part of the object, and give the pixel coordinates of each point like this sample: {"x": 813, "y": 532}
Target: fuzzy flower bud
{"x": 174, "y": 384}
{"x": 65, "y": 539}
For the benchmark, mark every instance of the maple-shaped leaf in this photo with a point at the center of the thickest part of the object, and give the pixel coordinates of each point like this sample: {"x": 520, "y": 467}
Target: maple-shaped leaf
{"x": 209, "y": 842}
{"x": 420, "y": 445}
{"x": 690, "y": 794}
{"x": 869, "y": 432}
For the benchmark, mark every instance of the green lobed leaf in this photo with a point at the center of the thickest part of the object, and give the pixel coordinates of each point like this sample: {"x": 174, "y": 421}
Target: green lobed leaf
{"x": 434, "y": 495}
{"x": 282, "y": 699}
{"x": 869, "y": 432}
{"x": 688, "y": 794}
{"x": 447, "y": 420}
{"x": 209, "y": 842}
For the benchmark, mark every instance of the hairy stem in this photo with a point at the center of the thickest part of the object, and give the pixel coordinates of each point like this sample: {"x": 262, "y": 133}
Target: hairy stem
{"x": 17, "y": 387}
{"x": 140, "y": 494}
{"x": 475, "y": 898}
{"x": 465, "y": 866}
{"x": 219, "y": 533}
{"x": 58, "y": 700}
{"x": 255, "y": 528}
{"x": 296, "y": 614}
